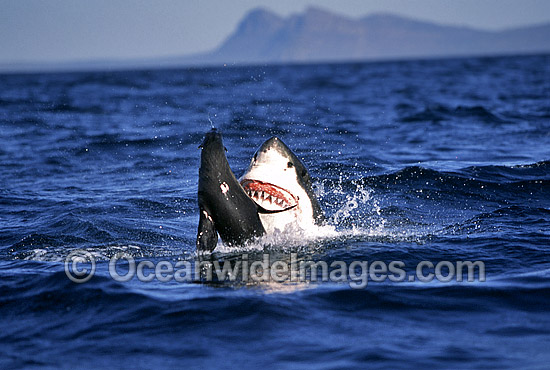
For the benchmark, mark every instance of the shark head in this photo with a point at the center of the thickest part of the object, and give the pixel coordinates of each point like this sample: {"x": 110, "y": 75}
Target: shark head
{"x": 277, "y": 181}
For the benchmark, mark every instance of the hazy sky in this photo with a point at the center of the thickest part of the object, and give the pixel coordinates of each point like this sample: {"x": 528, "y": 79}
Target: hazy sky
{"x": 66, "y": 30}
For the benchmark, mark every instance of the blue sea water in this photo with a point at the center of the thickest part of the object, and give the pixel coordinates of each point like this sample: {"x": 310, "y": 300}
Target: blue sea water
{"x": 427, "y": 160}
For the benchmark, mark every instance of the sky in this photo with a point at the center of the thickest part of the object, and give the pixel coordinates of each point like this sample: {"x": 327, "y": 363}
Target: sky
{"x": 92, "y": 30}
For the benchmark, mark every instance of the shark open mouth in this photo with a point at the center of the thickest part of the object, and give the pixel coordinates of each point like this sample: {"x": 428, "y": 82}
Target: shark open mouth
{"x": 268, "y": 196}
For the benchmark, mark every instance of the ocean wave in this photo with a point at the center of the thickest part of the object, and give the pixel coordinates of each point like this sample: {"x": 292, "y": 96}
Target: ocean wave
{"x": 441, "y": 112}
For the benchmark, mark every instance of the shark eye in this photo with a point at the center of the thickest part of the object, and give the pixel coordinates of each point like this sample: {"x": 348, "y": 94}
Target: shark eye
{"x": 290, "y": 165}
{"x": 304, "y": 173}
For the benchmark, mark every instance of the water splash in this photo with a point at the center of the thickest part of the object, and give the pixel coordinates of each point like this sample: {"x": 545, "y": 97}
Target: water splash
{"x": 357, "y": 215}
{"x": 210, "y": 120}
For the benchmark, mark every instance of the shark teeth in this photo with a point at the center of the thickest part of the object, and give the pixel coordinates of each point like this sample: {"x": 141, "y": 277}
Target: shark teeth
{"x": 264, "y": 198}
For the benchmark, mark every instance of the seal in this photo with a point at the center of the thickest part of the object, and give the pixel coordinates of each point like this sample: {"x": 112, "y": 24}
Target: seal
{"x": 275, "y": 191}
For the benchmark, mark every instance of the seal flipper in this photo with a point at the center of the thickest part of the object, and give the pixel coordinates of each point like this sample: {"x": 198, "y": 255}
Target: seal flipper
{"x": 207, "y": 236}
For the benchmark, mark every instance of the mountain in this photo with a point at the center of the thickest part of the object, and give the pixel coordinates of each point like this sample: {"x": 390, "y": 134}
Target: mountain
{"x": 320, "y": 35}
{"x": 317, "y": 35}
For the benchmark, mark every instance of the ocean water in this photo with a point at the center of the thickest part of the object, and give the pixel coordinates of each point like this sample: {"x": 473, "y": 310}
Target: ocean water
{"x": 436, "y": 160}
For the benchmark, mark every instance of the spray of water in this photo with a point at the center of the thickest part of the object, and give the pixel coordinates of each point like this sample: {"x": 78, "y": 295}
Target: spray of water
{"x": 210, "y": 120}
{"x": 352, "y": 215}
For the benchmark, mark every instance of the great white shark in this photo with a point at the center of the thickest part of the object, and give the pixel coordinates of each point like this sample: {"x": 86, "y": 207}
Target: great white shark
{"x": 273, "y": 193}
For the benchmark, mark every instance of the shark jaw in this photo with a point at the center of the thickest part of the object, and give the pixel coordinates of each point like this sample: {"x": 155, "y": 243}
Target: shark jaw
{"x": 269, "y": 196}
